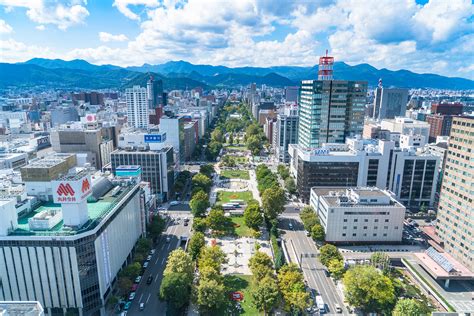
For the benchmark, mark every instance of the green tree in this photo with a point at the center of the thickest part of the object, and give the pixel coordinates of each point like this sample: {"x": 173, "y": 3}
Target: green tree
{"x": 381, "y": 261}
{"x": 216, "y": 220}
{"x": 199, "y": 203}
{"x": 200, "y": 224}
{"x": 179, "y": 262}
{"x": 309, "y": 218}
{"x": 290, "y": 185}
{"x": 368, "y": 289}
{"x": 291, "y": 283}
{"x": 207, "y": 170}
{"x": 253, "y": 216}
{"x": 196, "y": 243}
{"x": 254, "y": 144}
{"x": 261, "y": 265}
{"x": 212, "y": 256}
{"x": 317, "y": 232}
{"x": 266, "y": 294}
{"x": 210, "y": 295}
{"x": 209, "y": 273}
{"x": 283, "y": 171}
{"x": 124, "y": 284}
{"x": 217, "y": 135}
{"x": 409, "y": 307}
{"x": 131, "y": 271}
{"x": 176, "y": 289}
{"x": 231, "y": 139}
{"x": 273, "y": 202}
{"x": 143, "y": 245}
{"x": 202, "y": 181}
{"x": 253, "y": 130}
{"x": 156, "y": 226}
{"x": 336, "y": 268}
{"x": 329, "y": 252}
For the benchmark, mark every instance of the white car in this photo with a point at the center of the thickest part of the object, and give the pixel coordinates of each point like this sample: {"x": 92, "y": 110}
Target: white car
{"x": 173, "y": 203}
{"x": 138, "y": 279}
{"x": 145, "y": 265}
{"x": 148, "y": 258}
{"x": 152, "y": 252}
{"x": 131, "y": 296}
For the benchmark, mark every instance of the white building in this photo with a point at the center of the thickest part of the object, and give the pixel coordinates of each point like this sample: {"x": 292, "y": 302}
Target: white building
{"x": 13, "y": 160}
{"x": 407, "y": 126}
{"x": 70, "y": 268}
{"x": 137, "y": 107}
{"x": 358, "y": 215}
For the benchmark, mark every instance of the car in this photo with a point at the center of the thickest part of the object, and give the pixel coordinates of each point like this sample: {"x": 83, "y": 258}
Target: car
{"x": 145, "y": 265}
{"x": 138, "y": 279}
{"x": 186, "y": 223}
{"x": 186, "y": 219}
{"x": 142, "y": 306}
{"x": 149, "y": 280}
{"x": 290, "y": 226}
{"x": 148, "y": 258}
{"x": 161, "y": 209}
{"x": 152, "y": 252}
{"x": 326, "y": 272}
{"x": 173, "y": 203}
{"x": 131, "y": 296}
{"x": 338, "y": 308}
{"x": 168, "y": 239}
{"x": 308, "y": 233}
{"x": 134, "y": 287}
{"x": 127, "y": 306}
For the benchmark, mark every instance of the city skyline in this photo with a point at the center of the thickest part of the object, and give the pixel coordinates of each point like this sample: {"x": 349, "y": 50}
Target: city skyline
{"x": 421, "y": 36}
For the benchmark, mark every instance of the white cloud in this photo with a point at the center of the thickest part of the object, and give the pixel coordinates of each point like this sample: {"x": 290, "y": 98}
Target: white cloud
{"x": 107, "y": 37}
{"x": 14, "y": 51}
{"x": 123, "y": 7}
{"x": 4, "y": 27}
{"x": 41, "y": 27}
{"x": 62, "y": 14}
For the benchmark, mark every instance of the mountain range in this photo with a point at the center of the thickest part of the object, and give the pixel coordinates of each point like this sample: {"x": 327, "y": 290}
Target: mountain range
{"x": 181, "y": 74}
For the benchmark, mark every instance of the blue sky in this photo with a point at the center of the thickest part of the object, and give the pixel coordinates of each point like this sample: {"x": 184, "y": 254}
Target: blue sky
{"x": 433, "y": 36}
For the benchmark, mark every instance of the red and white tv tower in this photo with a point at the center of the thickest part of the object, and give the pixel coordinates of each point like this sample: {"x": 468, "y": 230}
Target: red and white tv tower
{"x": 326, "y": 64}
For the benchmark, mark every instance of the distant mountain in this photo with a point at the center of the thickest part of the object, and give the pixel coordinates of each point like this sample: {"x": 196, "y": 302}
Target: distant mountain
{"x": 342, "y": 71}
{"x": 181, "y": 74}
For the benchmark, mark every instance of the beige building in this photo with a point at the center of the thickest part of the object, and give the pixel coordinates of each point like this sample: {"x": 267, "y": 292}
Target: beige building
{"x": 456, "y": 206}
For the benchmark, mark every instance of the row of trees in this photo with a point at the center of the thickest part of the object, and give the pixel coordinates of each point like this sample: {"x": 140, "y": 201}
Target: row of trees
{"x": 312, "y": 224}
{"x": 255, "y": 138}
{"x": 293, "y": 290}
{"x": 201, "y": 186}
{"x": 284, "y": 173}
{"x": 266, "y": 292}
{"x": 181, "y": 180}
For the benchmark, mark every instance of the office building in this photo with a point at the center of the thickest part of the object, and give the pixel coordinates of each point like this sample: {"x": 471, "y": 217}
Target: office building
{"x": 330, "y": 111}
{"x": 408, "y": 170}
{"x": 191, "y": 131}
{"x": 67, "y": 254}
{"x": 137, "y": 107}
{"x": 63, "y": 114}
{"x": 407, "y": 126}
{"x": 389, "y": 102}
{"x": 440, "y": 125}
{"x": 93, "y": 98}
{"x": 456, "y": 207}
{"x": 95, "y": 142}
{"x": 286, "y": 132}
{"x": 445, "y": 108}
{"x": 13, "y": 160}
{"x": 291, "y": 94}
{"x": 154, "y": 93}
{"x": 358, "y": 215}
{"x": 173, "y": 127}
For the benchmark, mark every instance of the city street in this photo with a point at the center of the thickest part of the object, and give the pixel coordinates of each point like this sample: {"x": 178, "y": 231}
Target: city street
{"x": 148, "y": 294}
{"x": 302, "y": 248}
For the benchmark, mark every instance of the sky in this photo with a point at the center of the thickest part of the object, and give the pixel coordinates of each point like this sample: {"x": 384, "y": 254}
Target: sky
{"x": 434, "y": 36}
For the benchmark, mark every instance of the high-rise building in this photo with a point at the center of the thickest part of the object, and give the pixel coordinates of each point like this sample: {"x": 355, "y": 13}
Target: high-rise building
{"x": 456, "y": 207}
{"x": 67, "y": 254}
{"x": 445, "y": 108}
{"x": 154, "y": 92}
{"x": 291, "y": 94}
{"x": 389, "y": 102}
{"x": 407, "y": 170}
{"x": 137, "y": 107}
{"x": 330, "y": 111}
{"x": 440, "y": 125}
{"x": 286, "y": 132}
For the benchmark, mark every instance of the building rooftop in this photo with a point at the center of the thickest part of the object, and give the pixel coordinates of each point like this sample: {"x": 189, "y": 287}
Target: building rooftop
{"x": 356, "y": 197}
{"x": 23, "y": 308}
{"x": 97, "y": 211}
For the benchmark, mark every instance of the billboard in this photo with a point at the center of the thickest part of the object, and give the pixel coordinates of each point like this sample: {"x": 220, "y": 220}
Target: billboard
{"x": 155, "y": 138}
{"x": 71, "y": 191}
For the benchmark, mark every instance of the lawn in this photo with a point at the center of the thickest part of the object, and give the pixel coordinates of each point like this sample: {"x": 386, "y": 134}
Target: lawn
{"x": 240, "y": 228}
{"x": 226, "y": 196}
{"x": 235, "y": 174}
{"x": 244, "y": 284}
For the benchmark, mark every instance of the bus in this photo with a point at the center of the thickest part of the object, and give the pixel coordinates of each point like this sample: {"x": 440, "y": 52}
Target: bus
{"x": 230, "y": 206}
{"x": 239, "y": 202}
{"x": 320, "y": 304}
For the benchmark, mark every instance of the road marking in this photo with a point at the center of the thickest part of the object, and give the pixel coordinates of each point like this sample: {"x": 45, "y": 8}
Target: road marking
{"x": 140, "y": 300}
{"x": 163, "y": 261}
{"x": 156, "y": 278}
{"x": 148, "y": 298}
{"x": 158, "y": 258}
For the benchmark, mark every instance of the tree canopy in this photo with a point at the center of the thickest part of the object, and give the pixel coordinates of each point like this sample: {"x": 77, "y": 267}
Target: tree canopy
{"x": 199, "y": 203}
{"x": 273, "y": 202}
{"x": 329, "y": 252}
{"x": 253, "y": 216}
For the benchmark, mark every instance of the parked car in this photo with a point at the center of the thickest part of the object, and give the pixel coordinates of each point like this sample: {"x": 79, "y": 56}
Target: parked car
{"x": 148, "y": 258}
{"x": 131, "y": 296}
{"x": 168, "y": 239}
{"x": 127, "y": 306}
{"x": 138, "y": 279}
{"x": 145, "y": 265}
{"x": 142, "y": 306}
{"x": 149, "y": 280}
{"x": 290, "y": 226}
{"x": 338, "y": 308}
{"x": 152, "y": 252}
{"x": 134, "y": 287}
{"x": 308, "y": 233}
{"x": 173, "y": 203}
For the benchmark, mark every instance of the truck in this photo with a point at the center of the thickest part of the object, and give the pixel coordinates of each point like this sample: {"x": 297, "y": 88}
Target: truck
{"x": 320, "y": 304}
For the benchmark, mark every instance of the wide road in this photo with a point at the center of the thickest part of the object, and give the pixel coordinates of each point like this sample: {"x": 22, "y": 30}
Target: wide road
{"x": 148, "y": 294}
{"x": 304, "y": 248}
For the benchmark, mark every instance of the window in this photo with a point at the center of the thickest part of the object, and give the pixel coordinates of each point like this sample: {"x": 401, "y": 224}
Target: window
{"x": 386, "y": 221}
{"x": 376, "y": 220}
{"x": 356, "y": 220}
{"x": 354, "y": 235}
{"x": 343, "y": 234}
{"x": 396, "y": 227}
{"x": 344, "y": 227}
{"x": 355, "y": 227}
{"x": 366, "y": 220}
{"x": 385, "y": 227}
{"x": 365, "y": 234}
{"x": 365, "y": 227}
{"x": 375, "y": 235}
{"x": 376, "y": 227}
{"x": 385, "y": 235}
{"x": 345, "y": 220}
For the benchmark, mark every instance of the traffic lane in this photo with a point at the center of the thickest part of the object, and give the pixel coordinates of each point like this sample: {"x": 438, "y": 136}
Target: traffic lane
{"x": 182, "y": 207}
{"x": 312, "y": 269}
{"x": 148, "y": 293}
